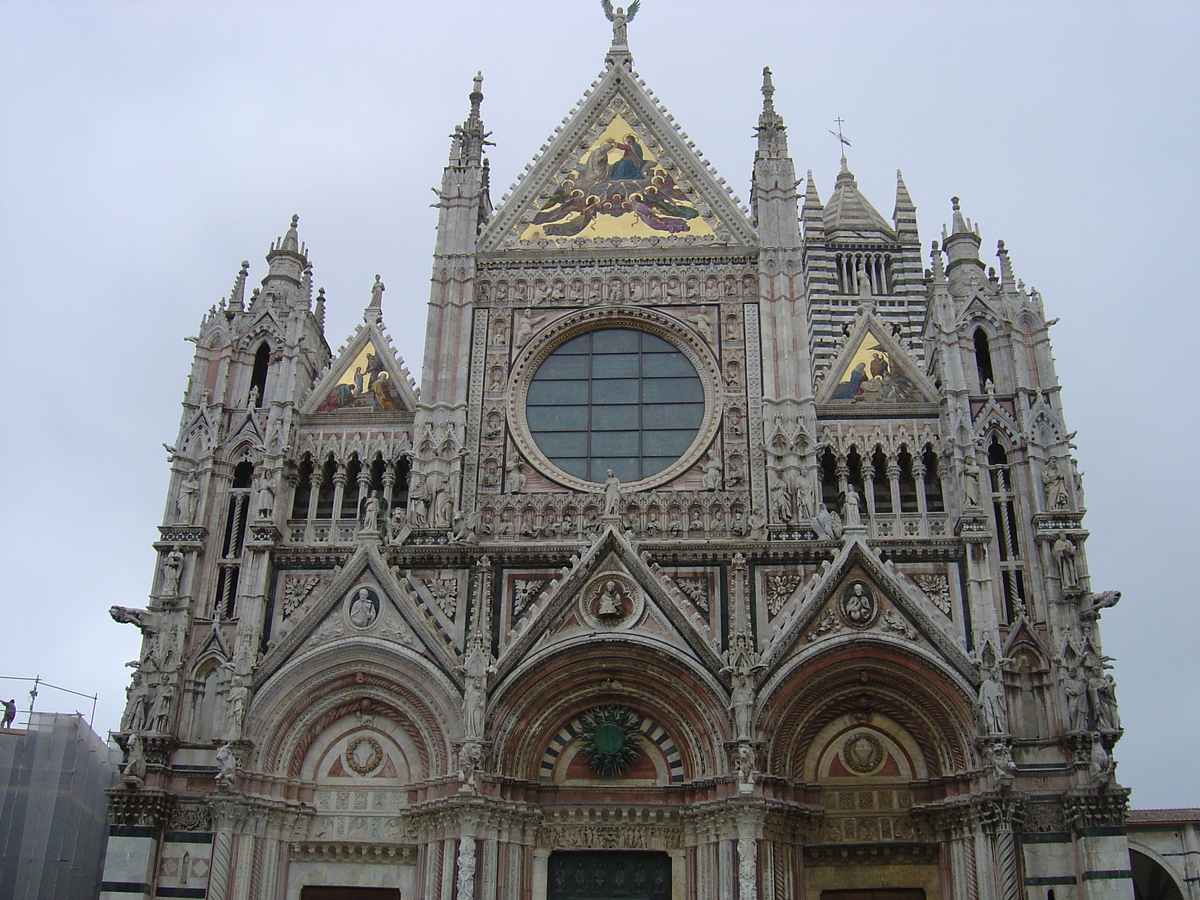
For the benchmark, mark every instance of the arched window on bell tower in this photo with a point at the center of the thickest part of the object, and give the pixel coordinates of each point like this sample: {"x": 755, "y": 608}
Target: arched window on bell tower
{"x": 258, "y": 378}
{"x": 236, "y": 513}
{"x": 983, "y": 359}
{"x": 1008, "y": 531}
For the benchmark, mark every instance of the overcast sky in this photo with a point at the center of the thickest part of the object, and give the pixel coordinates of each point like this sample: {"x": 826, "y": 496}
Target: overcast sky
{"x": 147, "y": 148}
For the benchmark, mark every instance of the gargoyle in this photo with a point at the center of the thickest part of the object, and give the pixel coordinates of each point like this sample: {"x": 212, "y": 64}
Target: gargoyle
{"x": 146, "y": 621}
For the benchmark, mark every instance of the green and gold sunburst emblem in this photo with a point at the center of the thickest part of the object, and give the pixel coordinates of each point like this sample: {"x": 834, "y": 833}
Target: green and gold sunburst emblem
{"x": 610, "y": 739}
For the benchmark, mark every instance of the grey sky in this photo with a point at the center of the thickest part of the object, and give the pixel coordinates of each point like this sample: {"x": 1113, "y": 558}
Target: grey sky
{"x": 147, "y": 148}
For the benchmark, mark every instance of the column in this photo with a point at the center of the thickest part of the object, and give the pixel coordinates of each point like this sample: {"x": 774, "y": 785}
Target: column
{"x": 893, "y": 474}
{"x": 918, "y": 470}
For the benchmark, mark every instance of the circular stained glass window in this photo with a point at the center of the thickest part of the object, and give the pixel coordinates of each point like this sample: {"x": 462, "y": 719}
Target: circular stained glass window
{"x": 615, "y": 398}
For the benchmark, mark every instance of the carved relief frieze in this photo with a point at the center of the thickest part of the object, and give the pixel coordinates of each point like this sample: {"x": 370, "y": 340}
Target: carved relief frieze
{"x": 334, "y": 851}
{"x": 654, "y": 515}
{"x": 582, "y": 282}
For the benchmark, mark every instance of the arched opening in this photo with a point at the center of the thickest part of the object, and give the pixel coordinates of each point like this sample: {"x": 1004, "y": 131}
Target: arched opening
{"x": 829, "y": 480}
{"x": 304, "y": 488}
{"x": 258, "y": 378}
{"x": 1151, "y": 881}
{"x": 983, "y": 359}
{"x": 908, "y": 484}
{"x": 934, "y": 501}
{"x": 882, "y": 485}
{"x": 208, "y": 703}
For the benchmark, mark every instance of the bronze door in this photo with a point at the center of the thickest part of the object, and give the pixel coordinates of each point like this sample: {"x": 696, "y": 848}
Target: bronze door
{"x": 609, "y": 875}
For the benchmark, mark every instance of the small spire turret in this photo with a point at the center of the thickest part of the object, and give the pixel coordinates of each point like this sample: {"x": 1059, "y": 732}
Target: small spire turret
{"x": 470, "y": 138}
{"x": 772, "y": 132}
{"x": 962, "y": 250}
{"x": 286, "y": 263}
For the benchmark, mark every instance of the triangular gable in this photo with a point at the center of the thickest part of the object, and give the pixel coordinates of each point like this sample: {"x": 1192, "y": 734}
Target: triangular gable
{"x": 212, "y": 646}
{"x": 366, "y": 375}
{"x": 399, "y": 617}
{"x": 594, "y": 182}
{"x": 666, "y": 609}
{"x": 820, "y": 615}
{"x": 874, "y": 369}
{"x": 979, "y": 306}
{"x": 246, "y": 430}
{"x": 1023, "y": 634}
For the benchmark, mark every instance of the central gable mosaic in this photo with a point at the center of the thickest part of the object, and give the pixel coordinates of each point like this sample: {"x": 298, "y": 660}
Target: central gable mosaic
{"x": 619, "y": 188}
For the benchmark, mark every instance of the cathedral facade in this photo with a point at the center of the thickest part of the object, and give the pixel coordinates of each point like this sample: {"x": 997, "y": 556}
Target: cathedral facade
{"x": 722, "y": 553}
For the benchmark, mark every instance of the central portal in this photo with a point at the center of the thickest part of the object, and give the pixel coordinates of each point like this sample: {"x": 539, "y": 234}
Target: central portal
{"x": 609, "y": 875}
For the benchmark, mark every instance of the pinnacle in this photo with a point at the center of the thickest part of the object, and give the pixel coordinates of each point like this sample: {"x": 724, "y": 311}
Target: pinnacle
{"x": 291, "y": 240}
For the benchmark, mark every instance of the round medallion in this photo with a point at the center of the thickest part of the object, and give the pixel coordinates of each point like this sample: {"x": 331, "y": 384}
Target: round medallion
{"x": 364, "y": 754}
{"x": 862, "y": 753}
{"x": 362, "y": 607}
{"x": 858, "y": 605}
{"x": 610, "y": 739}
{"x": 611, "y": 601}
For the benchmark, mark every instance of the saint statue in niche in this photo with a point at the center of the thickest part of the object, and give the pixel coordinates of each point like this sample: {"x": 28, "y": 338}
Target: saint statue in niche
{"x": 859, "y": 607}
{"x": 364, "y": 608}
{"x": 611, "y": 603}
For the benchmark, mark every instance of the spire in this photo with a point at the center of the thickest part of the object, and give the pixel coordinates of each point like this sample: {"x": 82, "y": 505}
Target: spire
{"x": 319, "y": 309}
{"x": 291, "y": 241}
{"x": 849, "y": 210}
{"x": 772, "y": 133}
{"x": 937, "y": 263}
{"x": 813, "y": 212}
{"x": 1006, "y": 271}
{"x": 962, "y": 249}
{"x": 237, "y": 296}
{"x": 469, "y": 138}
{"x": 904, "y": 215}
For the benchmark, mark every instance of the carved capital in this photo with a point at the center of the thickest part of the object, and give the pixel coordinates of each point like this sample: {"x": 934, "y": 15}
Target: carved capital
{"x": 144, "y": 807}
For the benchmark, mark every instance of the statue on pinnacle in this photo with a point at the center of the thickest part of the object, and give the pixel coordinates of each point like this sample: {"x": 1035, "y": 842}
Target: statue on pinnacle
{"x": 620, "y": 19}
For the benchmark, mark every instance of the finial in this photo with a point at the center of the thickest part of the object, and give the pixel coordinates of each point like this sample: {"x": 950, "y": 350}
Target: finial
{"x": 295, "y": 219}
{"x": 478, "y": 82}
{"x": 291, "y": 240}
{"x": 842, "y": 142}
{"x": 960, "y": 224}
{"x": 768, "y": 87}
